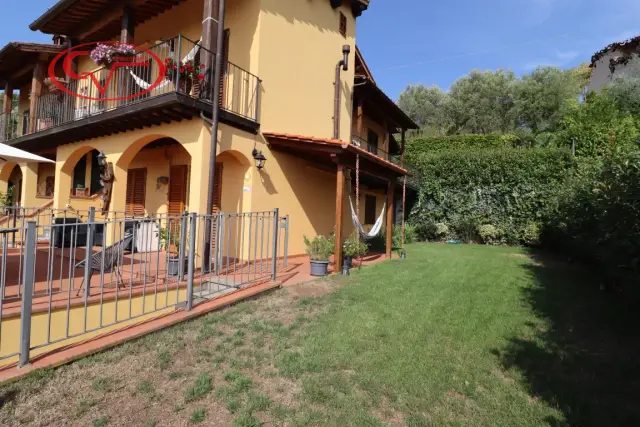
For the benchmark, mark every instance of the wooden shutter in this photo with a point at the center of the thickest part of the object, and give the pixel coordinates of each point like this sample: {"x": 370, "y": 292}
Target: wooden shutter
{"x": 217, "y": 190}
{"x": 136, "y": 192}
{"x": 225, "y": 68}
{"x": 177, "y": 190}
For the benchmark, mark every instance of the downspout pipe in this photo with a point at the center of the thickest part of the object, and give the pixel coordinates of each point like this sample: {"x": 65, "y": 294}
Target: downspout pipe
{"x": 343, "y": 65}
{"x": 215, "y": 123}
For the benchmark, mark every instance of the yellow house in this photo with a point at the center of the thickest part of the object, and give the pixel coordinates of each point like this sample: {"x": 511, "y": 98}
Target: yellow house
{"x": 293, "y": 89}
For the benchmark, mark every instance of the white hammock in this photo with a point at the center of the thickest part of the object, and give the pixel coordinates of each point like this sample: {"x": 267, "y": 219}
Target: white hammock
{"x": 190, "y": 56}
{"x": 376, "y": 227}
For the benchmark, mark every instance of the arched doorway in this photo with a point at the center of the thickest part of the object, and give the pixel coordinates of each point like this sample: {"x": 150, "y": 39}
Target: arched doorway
{"x": 157, "y": 178}
{"x": 10, "y": 185}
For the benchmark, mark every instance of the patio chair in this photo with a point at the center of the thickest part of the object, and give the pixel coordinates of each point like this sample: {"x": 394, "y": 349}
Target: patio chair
{"x": 110, "y": 261}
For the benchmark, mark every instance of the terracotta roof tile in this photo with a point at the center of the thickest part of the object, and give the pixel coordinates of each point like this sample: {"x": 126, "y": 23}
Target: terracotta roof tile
{"x": 345, "y": 145}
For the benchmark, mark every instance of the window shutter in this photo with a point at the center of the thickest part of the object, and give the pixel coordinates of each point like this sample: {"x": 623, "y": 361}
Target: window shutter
{"x": 225, "y": 68}
{"x": 217, "y": 191}
{"x": 136, "y": 192}
{"x": 177, "y": 190}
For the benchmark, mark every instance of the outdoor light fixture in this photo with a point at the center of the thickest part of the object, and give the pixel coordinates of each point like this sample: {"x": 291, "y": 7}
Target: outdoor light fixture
{"x": 259, "y": 158}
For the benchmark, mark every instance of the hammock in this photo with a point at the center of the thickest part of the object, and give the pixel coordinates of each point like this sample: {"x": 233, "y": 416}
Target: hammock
{"x": 375, "y": 230}
{"x": 144, "y": 85}
{"x": 376, "y": 227}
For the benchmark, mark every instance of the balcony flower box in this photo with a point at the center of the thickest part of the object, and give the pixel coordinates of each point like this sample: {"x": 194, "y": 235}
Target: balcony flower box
{"x": 106, "y": 55}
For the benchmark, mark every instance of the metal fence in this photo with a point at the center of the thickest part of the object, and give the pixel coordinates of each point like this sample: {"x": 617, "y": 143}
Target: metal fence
{"x": 90, "y": 276}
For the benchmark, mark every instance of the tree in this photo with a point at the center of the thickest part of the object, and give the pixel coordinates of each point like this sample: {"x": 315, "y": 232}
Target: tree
{"x": 425, "y": 107}
{"x": 482, "y": 102}
{"x": 542, "y": 98}
{"x": 598, "y": 127}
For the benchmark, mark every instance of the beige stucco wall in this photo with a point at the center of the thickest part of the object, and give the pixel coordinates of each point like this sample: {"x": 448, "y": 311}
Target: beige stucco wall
{"x": 300, "y": 46}
{"x": 601, "y": 74}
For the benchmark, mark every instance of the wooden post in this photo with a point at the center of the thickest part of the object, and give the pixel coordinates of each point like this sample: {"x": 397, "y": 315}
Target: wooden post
{"x": 390, "y": 195}
{"x": 402, "y": 146}
{"x": 339, "y": 217}
{"x": 209, "y": 39}
{"x": 36, "y": 91}
{"x": 359, "y": 119}
{"x": 127, "y": 25}
{"x": 6, "y": 109}
{"x": 127, "y": 34}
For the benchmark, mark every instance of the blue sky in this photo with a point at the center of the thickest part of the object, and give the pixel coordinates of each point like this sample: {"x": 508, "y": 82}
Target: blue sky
{"x": 434, "y": 42}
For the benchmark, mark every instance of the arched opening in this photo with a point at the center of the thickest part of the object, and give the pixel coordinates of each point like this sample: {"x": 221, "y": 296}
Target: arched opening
{"x": 83, "y": 172}
{"x": 8, "y": 178}
{"x": 157, "y": 177}
{"x": 13, "y": 196}
{"x": 232, "y": 190}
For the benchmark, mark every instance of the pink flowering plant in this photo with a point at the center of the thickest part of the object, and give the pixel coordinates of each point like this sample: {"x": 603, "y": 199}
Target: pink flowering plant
{"x": 106, "y": 54}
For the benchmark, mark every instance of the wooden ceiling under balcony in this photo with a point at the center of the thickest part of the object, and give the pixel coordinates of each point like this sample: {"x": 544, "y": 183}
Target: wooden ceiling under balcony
{"x": 95, "y": 20}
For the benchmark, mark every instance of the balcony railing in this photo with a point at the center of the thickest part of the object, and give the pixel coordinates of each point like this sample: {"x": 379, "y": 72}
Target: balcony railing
{"x": 109, "y": 89}
{"x": 371, "y": 148}
{"x": 9, "y": 125}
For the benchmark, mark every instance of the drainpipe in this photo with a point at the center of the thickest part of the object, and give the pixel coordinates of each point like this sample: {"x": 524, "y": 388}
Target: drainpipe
{"x": 342, "y": 65}
{"x": 215, "y": 121}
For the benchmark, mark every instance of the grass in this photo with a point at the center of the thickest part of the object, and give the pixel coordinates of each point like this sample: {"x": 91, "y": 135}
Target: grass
{"x": 454, "y": 335}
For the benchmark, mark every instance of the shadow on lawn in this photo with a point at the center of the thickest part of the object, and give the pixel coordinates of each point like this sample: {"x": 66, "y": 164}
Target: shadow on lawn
{"x": 584, "y": 354}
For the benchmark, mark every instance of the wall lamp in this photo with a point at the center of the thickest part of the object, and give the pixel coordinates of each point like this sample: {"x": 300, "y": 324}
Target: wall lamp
{"x": 259, "y": 158}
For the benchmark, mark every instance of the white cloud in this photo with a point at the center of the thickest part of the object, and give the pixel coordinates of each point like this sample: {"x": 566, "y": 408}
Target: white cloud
{"x": 561, "y": 58}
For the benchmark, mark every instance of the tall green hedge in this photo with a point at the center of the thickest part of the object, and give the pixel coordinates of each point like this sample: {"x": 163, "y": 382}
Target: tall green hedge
{"x": 597, "y": 217}
{"x": 419, "y": 146}
{"x": 503, "y": 193}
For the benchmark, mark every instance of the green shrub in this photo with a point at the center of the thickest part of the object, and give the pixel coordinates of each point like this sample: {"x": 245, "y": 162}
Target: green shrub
{"x": 531, "y": 234}
{"x": 354, "y": 247}
{"x": 507, "y": 188}
{"x": 320, "y": 248}
{"x": 489, "y": 234}
{"x": 435, "y": 231}
{"x": 417, "y": 147}
{"x": 597, "y": 219}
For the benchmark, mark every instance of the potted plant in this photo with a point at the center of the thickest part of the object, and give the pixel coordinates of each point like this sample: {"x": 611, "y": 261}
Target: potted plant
{"x": 170, "y": 240}
{"x": 353, "y": 247}
{"x": 107, "y": 54}
{"x": 53, "y": 84}
{"x": 319, "y": 250}
{"x": 187, "y": 71}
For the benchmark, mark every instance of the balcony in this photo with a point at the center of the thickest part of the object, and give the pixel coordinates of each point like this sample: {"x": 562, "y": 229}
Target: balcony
{"x": 135, "y": 96}
{"x": 371, "y": 148}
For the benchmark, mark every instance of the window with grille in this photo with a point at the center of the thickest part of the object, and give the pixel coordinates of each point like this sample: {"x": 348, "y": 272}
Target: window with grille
{"x": 343, "y": 24}
{"x": 369, "y": 209}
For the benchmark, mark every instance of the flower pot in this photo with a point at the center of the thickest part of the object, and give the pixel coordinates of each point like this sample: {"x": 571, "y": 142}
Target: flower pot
{"x": 319, "y": 268}
{"x": 347, "y": 261}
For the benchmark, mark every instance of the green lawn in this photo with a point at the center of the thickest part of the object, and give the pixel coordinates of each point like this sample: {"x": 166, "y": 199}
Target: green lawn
{"x": 454, "y": 335}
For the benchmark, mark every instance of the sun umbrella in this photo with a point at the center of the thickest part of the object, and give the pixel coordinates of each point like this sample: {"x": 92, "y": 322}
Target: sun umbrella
{"x": 15, "y": 155}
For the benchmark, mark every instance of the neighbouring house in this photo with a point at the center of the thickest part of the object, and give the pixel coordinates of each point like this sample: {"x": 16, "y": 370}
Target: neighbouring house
{"x": 276, "y": 98}
{"x": 612, "y": 62}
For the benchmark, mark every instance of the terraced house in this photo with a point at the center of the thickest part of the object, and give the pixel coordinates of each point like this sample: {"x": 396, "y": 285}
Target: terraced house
{"x": 280, "y": 83}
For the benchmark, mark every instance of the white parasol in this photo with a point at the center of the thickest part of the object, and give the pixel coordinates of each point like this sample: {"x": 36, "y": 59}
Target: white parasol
{"x": 15, "y": 155}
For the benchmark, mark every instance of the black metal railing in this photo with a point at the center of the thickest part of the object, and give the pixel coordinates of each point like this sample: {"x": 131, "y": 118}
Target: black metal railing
{"x": 189, "y": 72}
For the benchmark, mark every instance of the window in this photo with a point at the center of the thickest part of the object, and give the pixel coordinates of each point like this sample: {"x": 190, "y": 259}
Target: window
{"x": 372, "y": 142}
{"x": 343, "y": 24}
{"x": 80, "y": 175}
{"x": 369, "y": 209}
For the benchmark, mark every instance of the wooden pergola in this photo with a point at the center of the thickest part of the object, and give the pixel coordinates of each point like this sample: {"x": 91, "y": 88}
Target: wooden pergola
{"x": 338, "y": 156}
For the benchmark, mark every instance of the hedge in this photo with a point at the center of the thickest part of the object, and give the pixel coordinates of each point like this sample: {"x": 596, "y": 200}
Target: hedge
{"x": 597, "y": 219}
{"x": 465, "y": 190}
{"x": 428, "y": 145}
